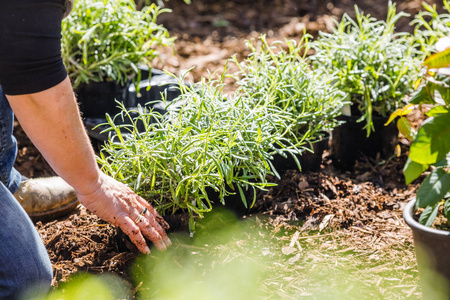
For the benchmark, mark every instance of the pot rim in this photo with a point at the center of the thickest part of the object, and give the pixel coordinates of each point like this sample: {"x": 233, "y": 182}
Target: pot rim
{"x": 407, "y": 215}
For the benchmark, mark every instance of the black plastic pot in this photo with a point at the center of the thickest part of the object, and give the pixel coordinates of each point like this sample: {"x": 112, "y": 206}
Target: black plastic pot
{"x": 433, "y": 256}
{"x": 309, "y": 161}
{"x": 99, "y": 98}
{"x": 233, "y": 202}
{"x": 349, "y": 141}
{"x": 152, "y": 89}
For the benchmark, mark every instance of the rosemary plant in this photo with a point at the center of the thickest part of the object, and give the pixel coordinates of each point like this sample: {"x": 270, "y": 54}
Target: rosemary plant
{"x": 204, "y": 143}
{"x": 106, "y": 40}
{"x": 430, "y": 26}
{"x": 374, "y": 65}
{"x": 280, "y": 74}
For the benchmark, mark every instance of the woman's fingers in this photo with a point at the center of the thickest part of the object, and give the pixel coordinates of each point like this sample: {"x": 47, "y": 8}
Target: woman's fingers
{"x": 134, "y": 233}
{"x": 152, "y": 230}
{"x": 153, "y": 236}
{"x": 149, "y": 228}
{"x": 160, "y": 220}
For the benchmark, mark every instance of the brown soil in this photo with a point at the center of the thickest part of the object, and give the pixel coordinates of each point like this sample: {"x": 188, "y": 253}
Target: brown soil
{"x": 370, "y": 199}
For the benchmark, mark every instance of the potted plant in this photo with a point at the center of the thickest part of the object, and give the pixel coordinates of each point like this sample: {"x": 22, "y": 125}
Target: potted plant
{"x": 280, "y": 75}
{"x": 376, "y": 68}
{"x": 428, "y": 214}
{"x": 205, "y": 144}
{"x": 430, "y": 26}
{"x": 103, "y": 43}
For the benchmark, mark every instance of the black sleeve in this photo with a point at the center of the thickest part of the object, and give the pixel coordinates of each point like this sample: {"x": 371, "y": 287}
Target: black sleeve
{"x": 30, "y": 45}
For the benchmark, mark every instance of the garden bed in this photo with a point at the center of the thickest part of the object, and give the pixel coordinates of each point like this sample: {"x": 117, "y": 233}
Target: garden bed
{"x": 354, "y": 214}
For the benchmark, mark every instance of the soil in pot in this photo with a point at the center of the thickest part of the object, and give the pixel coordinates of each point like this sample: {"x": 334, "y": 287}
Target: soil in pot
{"x": 432, "y": 253}
{"x": 349, "y": 141}
{"x": 309, "y": 161}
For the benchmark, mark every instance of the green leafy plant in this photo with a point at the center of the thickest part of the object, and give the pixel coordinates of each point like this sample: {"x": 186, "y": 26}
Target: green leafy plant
{"x": 430, "y": 26}
{"x": 430, "y": 147}
{"x": 374, "y": 65}
{"x": 142, "y": 3}
{"x": 205, "y": 143}
{"x": 280, "y": 75}
{"x": 107, "y": 39}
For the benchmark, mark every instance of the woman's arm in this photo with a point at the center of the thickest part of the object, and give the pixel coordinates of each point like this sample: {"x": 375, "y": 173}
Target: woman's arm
{"x": 51, "y": 120}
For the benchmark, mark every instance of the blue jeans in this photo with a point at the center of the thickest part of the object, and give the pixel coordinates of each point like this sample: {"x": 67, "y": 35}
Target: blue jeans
{"x": 24, "y": 262}
{"x": 9, "y": 176}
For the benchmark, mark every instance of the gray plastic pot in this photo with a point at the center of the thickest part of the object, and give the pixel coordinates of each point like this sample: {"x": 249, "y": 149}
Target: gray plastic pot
{"x": 433, "y": 256}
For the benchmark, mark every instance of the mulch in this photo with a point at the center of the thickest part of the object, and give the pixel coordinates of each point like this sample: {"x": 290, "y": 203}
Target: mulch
{"x": 368, "y": 200}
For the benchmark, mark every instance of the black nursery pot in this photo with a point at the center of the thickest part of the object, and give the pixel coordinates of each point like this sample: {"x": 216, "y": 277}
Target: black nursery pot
{"x": 233, "y": 202}
{"x": 309, "y": 161}
{"x": 98, "y": 98}
{"x": 432, "y": 253}
{"x": 151, "y": 89}
{"x": 349, "y": 141}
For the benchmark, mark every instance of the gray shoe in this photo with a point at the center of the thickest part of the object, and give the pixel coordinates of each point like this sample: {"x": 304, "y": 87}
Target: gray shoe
{"x": 46, "y": 198}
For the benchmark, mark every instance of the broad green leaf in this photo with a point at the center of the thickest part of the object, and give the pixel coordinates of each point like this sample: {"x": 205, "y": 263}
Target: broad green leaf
{"x": 434, "y": 188}
{"x": 431, "y": 143}
{"x": 86, "y": 286}
{"x": 438, "y": 60}
{"x": 445, "y": 162}
{"x": 429, "y": 214}
{"x": 412, "y": 170}
{"x": 443, "y": 90}
{"x": 437, "y": 110}
{"x": 423, "y": 95}
{"x": 406, "y": 128}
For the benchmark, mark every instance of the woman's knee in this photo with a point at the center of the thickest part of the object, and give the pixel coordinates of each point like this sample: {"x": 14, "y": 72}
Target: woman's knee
{"x": 24, "y": 261}
{"x": 31, "y": 275}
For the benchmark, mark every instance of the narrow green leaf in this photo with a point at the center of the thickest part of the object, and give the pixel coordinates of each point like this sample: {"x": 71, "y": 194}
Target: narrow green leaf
{"x": 241, "y": 193}
{"x": 434, "y": 188}
{"x": 191, "y": 224}
{"x": 394, "y": 115}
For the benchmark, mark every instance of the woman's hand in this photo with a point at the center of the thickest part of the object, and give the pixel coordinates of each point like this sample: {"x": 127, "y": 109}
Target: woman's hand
{"x": 116, "y": 203}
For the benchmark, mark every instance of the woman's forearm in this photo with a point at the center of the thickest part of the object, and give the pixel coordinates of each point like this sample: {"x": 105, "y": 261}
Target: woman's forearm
{"x": 51, "y": 120}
